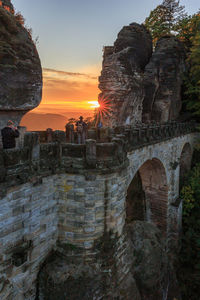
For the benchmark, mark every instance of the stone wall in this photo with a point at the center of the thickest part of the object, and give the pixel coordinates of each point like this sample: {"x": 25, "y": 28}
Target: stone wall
{"x": 53, "y": 200}
{"x": 28, "y": 223}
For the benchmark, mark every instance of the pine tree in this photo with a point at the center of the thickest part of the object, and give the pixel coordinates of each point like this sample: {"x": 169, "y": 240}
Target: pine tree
{"x": 157, "y": 23}
{"x": 192, "y": 79}
{"x": 174, "y": 13}
{"x": 165, "y": 19}
{"x": 188, "y": 27}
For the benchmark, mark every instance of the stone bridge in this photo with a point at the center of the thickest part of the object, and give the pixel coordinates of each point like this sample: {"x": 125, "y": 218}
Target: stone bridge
{"x": 69, "y": 212}
{"x": 61, "y": 196}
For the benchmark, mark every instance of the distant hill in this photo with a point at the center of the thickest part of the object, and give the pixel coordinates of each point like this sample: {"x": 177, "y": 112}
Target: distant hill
{"x": 38, "y": 121}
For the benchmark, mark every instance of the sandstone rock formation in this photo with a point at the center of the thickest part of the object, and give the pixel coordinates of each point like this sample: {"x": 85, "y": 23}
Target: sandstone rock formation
{"x": 20, "y": 70}
{"x": 70, "y": 274}
{"x": 163, "y": 80}
{"x": 139, "y": 85}
{"x": 122, "y": 74}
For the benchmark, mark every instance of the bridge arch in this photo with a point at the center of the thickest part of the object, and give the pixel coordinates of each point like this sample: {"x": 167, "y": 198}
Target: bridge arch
{"x": 147, "y": 195}
{"x": 185, "y": 161}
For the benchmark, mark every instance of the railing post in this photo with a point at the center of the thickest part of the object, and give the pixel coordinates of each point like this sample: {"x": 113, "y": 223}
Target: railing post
{"x": 91, "y": 153}
{"x": 49, "y": 135}
{"x": 69, "y": 133}
{"x": 32, "y": 141}
{"x": 20, "y": 139}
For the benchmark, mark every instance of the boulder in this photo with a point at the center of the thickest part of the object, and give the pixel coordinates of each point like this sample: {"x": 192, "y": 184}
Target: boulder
{"x": 162, "y": 81}
{"x": 20, "y": 70}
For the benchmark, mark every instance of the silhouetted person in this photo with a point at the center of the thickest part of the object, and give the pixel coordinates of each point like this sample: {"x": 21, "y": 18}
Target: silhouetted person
{"x": 9, "y": 134}
{"x": 81, "y": 128}
{"x": 99, "y": 126}
{"x": 69, "y": 133}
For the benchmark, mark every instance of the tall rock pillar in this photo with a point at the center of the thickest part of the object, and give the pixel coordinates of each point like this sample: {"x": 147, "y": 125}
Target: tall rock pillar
{"x": 121, "y": 80}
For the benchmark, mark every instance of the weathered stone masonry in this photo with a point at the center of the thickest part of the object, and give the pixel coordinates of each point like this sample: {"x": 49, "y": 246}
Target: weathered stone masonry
{"x": 51, "y": 197}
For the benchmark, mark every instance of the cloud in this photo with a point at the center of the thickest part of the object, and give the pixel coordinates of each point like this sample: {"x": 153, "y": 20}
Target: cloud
{"x": 68, "y": 91}
{"x": 65, "y": 73}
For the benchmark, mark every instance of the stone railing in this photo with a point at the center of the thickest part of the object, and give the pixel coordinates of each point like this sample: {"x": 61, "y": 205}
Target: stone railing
{"x": 36, "y": 160}
{"x": 134, "y": 135}
{"x": 139, "y": 136}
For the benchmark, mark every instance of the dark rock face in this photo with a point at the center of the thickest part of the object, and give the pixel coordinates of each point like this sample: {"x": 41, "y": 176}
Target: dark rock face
{"x": 151, "y": 276}
{"x": 163, "y": 80}
{"x": 151, "y": 266}
{"x": 139, "y": 40}
{"x": 68, "y": 274}
{"x": 60, "y": 280}
{"x": 20, "y": 70}
{"x": 121, "y": 77}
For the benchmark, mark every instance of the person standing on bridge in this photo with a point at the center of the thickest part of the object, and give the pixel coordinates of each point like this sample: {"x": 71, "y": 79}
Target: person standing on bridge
{"x": 81, "y": 128}
{"x": 9, "y": 134}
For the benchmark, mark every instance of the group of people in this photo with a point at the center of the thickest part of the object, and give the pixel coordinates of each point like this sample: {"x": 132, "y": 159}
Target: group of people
{"x": 81, "y": 128}
{"x": 10, "y": 133}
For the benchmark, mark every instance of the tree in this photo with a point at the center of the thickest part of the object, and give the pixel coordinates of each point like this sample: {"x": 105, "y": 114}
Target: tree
{"x": 19, "y": 18}
{"x": 157, "y": 24}
{"x": 188, "y": 28}
{"x": 189, "y": 256}
{"x": 165, "y": 19}
{"x": 174, "y": 13}
{"x": 192, "y": 78}
{"x": 72, "y": 121}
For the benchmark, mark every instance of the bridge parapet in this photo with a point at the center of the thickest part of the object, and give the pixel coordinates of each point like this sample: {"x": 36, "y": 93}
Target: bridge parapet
{"x": 150, "y": 134}
{"x": 36, "y": 160}
{"x": 142, "y": 133}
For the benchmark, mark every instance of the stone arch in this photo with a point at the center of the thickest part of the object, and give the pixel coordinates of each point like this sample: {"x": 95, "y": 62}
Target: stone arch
{"x": 147, "y": 195}
{"x": 185, "y": 161}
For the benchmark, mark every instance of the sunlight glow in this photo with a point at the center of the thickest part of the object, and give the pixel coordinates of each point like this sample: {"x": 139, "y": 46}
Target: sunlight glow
{"x": 94, "y": 104}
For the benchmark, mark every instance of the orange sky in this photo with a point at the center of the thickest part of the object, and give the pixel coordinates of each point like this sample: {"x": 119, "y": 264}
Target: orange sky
{"x": 68, "y": 91}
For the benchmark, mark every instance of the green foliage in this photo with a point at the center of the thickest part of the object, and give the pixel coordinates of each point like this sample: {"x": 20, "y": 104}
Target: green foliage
{"x": 169, "y": 18}
{"x": 165, "y": 19}
{"x": 174, "y": 13}
{"x": 187, "y": 29}
{"x": 19, "y": 18}
{"x": 156, "y": 23}
{"x": 192, "y": 76}
{"x": 189, "y": 272}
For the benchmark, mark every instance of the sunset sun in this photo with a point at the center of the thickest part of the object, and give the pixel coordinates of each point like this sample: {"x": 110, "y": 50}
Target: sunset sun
{"x": 94, "y": 104}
